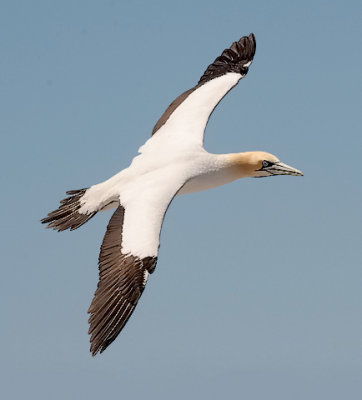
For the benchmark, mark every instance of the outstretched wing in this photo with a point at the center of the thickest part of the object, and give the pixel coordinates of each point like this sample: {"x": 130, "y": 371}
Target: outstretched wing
{"x": 122, "y": 278}
{"x": 189, "y": 113}
{"x": 128, "y": 255}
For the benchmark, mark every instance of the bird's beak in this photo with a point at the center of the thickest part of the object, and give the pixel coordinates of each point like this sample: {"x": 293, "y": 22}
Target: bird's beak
{"x": 280, "y": 168}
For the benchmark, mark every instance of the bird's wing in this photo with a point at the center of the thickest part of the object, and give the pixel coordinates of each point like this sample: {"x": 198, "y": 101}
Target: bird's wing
{"x": 128, "y": 254}
{"x": 186, "y": 117}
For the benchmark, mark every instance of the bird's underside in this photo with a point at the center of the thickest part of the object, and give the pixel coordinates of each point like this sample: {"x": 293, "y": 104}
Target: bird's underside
{"x": 143, "y": 192}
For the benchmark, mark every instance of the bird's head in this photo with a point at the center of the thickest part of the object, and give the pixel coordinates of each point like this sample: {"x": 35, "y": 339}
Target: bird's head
{"x": 260, "y": 164}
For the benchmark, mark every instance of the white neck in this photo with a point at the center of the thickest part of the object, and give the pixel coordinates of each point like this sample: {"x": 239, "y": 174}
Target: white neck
{"x": 215, "y": 170}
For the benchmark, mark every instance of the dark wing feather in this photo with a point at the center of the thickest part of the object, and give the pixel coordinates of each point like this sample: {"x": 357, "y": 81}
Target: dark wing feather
{"x": 67, "y": 216}
{"x": 233, "y": 59}
{"x": 121, "y": 283}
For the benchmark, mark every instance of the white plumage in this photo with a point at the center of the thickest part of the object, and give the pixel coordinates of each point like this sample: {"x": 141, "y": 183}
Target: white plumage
{"x": 173, "y": 161}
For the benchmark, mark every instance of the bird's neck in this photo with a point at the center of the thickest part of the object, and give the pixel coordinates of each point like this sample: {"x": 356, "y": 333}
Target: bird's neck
{"x": 218, "y": 170}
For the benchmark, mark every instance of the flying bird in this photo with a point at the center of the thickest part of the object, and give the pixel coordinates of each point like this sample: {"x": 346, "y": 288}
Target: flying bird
{"x": 172, "y": 162}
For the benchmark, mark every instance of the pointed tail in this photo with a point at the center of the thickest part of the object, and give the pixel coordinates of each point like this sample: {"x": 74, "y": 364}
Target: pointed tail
{"x": 67, "y": 216}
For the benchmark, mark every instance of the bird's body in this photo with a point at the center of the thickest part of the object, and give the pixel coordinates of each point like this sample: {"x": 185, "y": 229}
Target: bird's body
{"x": 172, "y": 162}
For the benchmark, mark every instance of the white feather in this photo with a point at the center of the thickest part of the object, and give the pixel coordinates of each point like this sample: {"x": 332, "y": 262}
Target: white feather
{"x": 155, "y": 176}
{"x": 145, "y": 201}
{"x": 185, "y": 126}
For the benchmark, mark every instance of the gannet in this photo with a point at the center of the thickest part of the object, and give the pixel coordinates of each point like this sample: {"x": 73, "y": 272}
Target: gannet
{"x": 172, "y": 162}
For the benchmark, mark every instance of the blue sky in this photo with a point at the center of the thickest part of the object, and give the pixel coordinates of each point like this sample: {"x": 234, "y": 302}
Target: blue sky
{"x": 257, "y": 293}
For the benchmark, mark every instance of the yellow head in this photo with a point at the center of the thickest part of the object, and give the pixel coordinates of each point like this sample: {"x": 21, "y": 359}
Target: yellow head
{"x": 259, "y": 164}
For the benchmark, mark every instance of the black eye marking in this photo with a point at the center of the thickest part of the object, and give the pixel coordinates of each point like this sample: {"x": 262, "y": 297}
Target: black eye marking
{"x": 267, "y": 164}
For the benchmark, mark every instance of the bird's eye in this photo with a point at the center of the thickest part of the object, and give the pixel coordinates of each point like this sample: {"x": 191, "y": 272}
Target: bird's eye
{"x": 267, "y": 164}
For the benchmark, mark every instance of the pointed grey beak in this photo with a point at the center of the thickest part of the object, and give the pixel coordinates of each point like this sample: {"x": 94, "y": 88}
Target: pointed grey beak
{"x": 280, "y": 168}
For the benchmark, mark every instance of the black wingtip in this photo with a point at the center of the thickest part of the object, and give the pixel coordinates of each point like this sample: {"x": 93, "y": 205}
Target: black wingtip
{"x": 236, "y": 58}
{"x": 252, "y": 42}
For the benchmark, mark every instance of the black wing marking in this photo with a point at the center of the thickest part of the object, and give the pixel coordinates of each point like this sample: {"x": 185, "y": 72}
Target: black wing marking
{"x": 122, "y": 279}
{"x": 234, "y": 59}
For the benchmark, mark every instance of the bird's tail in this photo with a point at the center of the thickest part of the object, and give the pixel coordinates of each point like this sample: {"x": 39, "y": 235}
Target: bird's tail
{"x": 67, "y": 216}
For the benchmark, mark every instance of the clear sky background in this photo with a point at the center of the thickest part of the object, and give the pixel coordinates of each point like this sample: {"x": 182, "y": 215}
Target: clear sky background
{"x": 257, "y": 293}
